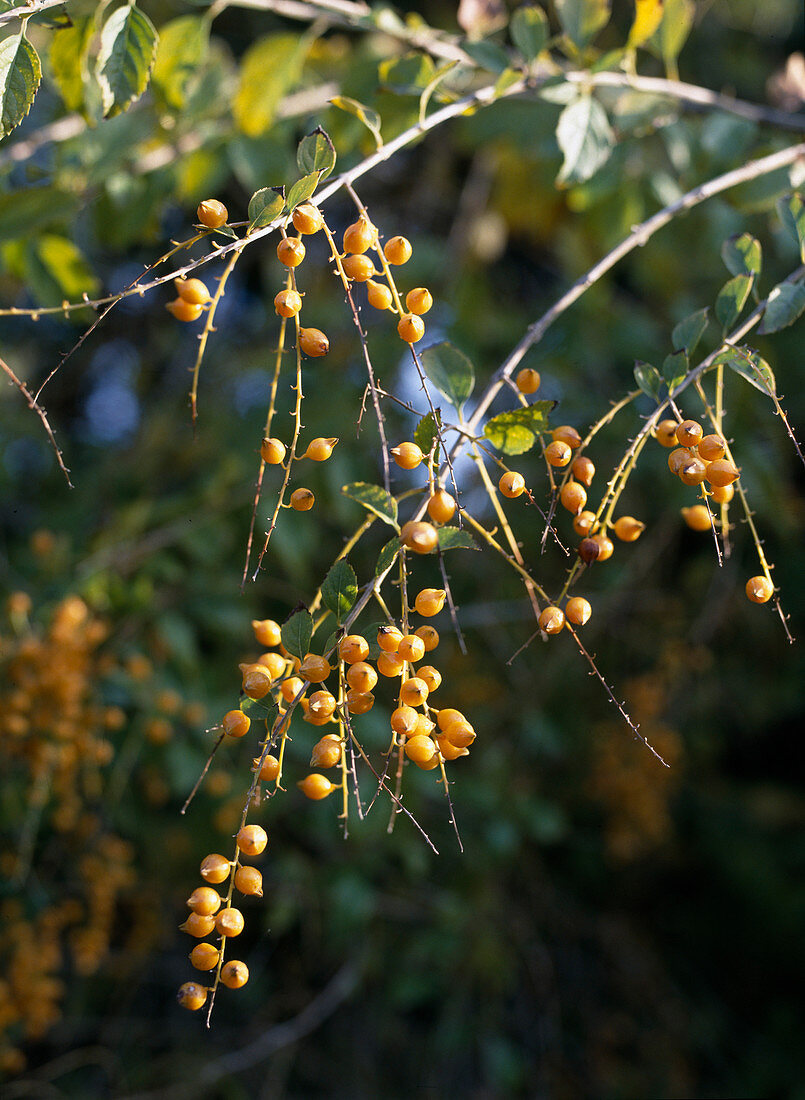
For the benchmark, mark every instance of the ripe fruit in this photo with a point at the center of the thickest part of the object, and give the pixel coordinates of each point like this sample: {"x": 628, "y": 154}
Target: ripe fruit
{"x": 628, "y": 529}
{"x": 352, "y": 648}
{"x": 191, "y": 995}
{"x": 234, "y": 974}
{"x": 322, "y": 704}
{"x": 287, "y": 303}
{"x": 404, "y": 720}
{"x": 447, "y": 716}
{"x": 193, "y": 291}
{"x": 390, "y": 664}
{"x": 429, "y": 601}
{"x": 256, "y": 681}
{"x": 722, "y": 494}
{"x": 419, "y": 300}
{"x": 573, "y": 496}
{"x": 688, "y": 433}
{"x": 676, "y": 458}
{"x": 605, "y": 546}
{"x": 578, "y": 610}
{"x": 558, "y": 453}
{"x": 665, "y": 433}
{"x": 460, "y": 734}
{"x": 320, "y": 449}
{"x": 552, "y": 620}
{"x": 205, "y": 901}
{"x": 512, "y": 484}
{"x": 565, "y": 434}
{"x": 697, "y": 517}
{"x": 431, "y": 676}
{"x": 307, "y": 218}
{"x": 379, "y": 295}
{"x": 290, "y": 688}
{"x": 230, "y": 922}
{"x": 290, "y": 251}
{"x": 422, "y": 538}
{"x": 411, "y": 328}
{"x": 407, "y": 456}
{"x": 252, "y": 839}
{"x": 198, "y": 925}
{"x": 272, "y": 451}
{"x": 273, "y": 662}
{"x": 204, "y": 956}
{"x": 313, "y": 342}
{"x": 692, "y": 471}
{"x": 411, "y": 648}
{"x": 528, "y": 380}
{"x": 235, "y": 723}
{"x": 583, "y": 469}
{"x": 302, "y": 500}
{"x": 589, "y": 550}
{"x": 420, "y": 749}
{"x": 448, "y": 751}
{"x": 583, "y": 523}
{"x": 359, "y": 236}
{"x": 413, "y": 692}
{"x": 361, "y": 677}
{"x": 270, "y": 768}
{"x": 388, "y": 638}
{"x": 429, "y": 635}
{"x": 267, "y": 632}
{"x": 183, "y": 311}
{"x": 316, "y": 786}
{"x": 721, "y": 472}
{"x": 215, "y": 868}
{"x": 712, "y": 447}
{"x": 326, "y": 752}
{"x": 212, "y": 213}
{"x": 359, "y": 268}
{"x": 249, "y": 881}
{"x": 314, "y": 668}
{"x": 359, "y": 702}
{"x": 397, "y": 250}
{"x": 441, "y": 506}
{"x": 759, "y": 589}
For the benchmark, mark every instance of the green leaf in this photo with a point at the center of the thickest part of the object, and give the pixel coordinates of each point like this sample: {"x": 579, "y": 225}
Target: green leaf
{"x": 648, "y": 379}
{"x": 297, "y": 632}
{"x": 68, "y": 56}
{"x": 791, "y": 210}
{"x": 487, "y": 55}
{"x": 22, "y": 213}
{"x": 316, "y": 153}
{"x": 20, "y": 73}
{"x": 302, "y": 190}
{"x": 674, "y": 368}
{"x": 406, "y": 75}
{"x": 370, "y": 118}
{"x": 52, "y": 268}
{"x": 690, "y": 330}
{"x": 731, "y": 300}
{"x": 507, "y": 79}
{"x": 126, "y": 55}
{"x": 387, "y": 557}
{"x": 375, "y": 499}
{"x": 268, "y": 70}
{"x": 450, "y": 371}
{"x": 742, "y": 255}
{"x": 585, "y": 138}
{"x": 529, "y": 31}
{"x": 454, "y": 538}
{"x": 517, "y": 431}
{"x": 751, "y": 367}
{"x": 783, "y": 306}
{"x": 582, "y": 19}
{"x": 264, "y": 206}
{"x": 182, "y": 50}
{"x": 426, "y": 434}
{"x": 672, "y": 33}
{"x": 340, "y": 589}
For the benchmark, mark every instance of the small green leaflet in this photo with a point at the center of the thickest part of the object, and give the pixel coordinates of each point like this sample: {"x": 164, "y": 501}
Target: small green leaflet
{"x": 450, "y": 371}
{"x": 127, "y": 52}
{"x": 297, "y": 632}
{"x": 370, "y": 118}
{"x": 375, "y": 499}
{"x": 487, "y": 55}
{"x": 752, "y": 367}
{"x": 453, "y": 538}
{"x": 387, "y": 557}
{"x": 742, "y": 255}
{"x": 264, "y": 206}
{"x": 585, "y": 138}
{"x": 731, "y": 300}
{"x": 20, "y": 73}
{"x": 783, "y": 306}
{"x": 648, "y": 379}
{"x": 340, "y": 589}
{"x": 302, "y": 190}
{"x": 792, "y": 214}
{"x": 674, "y": 369}
{"x": 426, "y": 434}
{"x": 582, "y": 19}
{"x": 406, "y": 75}
{"x": 516, "y": 432}
{"x": 687, "y": 334}
{"x": 529, "y": 31}
{"x": 316, "y": 153}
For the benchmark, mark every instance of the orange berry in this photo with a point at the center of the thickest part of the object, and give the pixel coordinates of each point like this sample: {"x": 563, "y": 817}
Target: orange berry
{"x": 193, "y": 291}
{"x": 552, "y": 620}
{"x": 404, "y": 720}
{"x": 390, "y": 664}
{"x": 420, "y": 749}
{"x": 413, "y": 692}
{"x": 441, "y": 506}
{"x": 573, "y": 496}
{"x": 267, "y": 632}
{"x": 358, "y": 268}
{"x": 460, "y": 734}
{"x": 759, "y": 589}
{"x": 215, "y": 868}
{"x": 205, "y": 901}
{"x": 430, "y": 601}
{"x": 313, "y": 342}
{"x": 273, "y": 662}
{"x": 256, "y": 681}
{"x": 314, "y": 668}
{"x": 583, "y": 523}
{"x": 411, "y": 328}
{"x": 235, "y": 723}
{"x": 712, "y": 447}
{"x": 697, "y": 518}
{"x": 287, "y": 303}
{"x": 302, "y": 500}
{"x": 352, "y": 648}
{"x": 212, "y": 213}
{"x": 448, "y": 751}
{"x": 420, "y": 537}
{"x": 528, "y": 380}
{"x": 583, "y": 469}
{"x": 605, "y": 546}
{"x": 290, "y": 688}
{"x": 269, "y": 769}
{"x": 676, "y": 458}
{"x": 628, "y": 529}
{"x": 419, "y": 300}
{"x": 320, "y": 449}
{"x": 191, "y": 995}
{"x": 378, "y": 294}
{"x": 326, "y": 752}
{"x": 512, "y": 484}
{"x": 234, "y": 974}
{"x": 692, "y": 471}
{"x": 665, "y": 433}
{"x": 407, "y": 455}
{"x": 558, "y": 453}
{"x": 688, "y": 433}
{"x": 723, "y": 494}
{"x": 360, "y": 236}
{"x": 411, "y": 648}
{"x": 565, "y": 434}
{"x": 316, "y": 786}
{"x": 429, "y": 635}
{"x": 447, "y": 716}
{"x": 397, "y": 250}
{"x": 272, "y": 451}
{"x": 290, "y": 251}
{"x": 307, "y": 218}
{"x": 388, "y": 638}
{"x": 198, "y": 925}
{"x": 361, "y": 677}
{"x": 578, "y": 610}
{"x": 359, "y": 702}
{"x": 204, "y": 956}
{"x": 322, "y": 704}
{"x": 252, "y": 839}
{"x": 230, "y": 922}
{"x": 183, "y": 311}
{"x": 430, "y": 675}
{"x": 721, "y": 472}
{"x": 249, "y": 881}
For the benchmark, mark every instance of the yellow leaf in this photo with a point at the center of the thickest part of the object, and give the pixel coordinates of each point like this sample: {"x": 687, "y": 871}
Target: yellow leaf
{"x": 270, "y": 68}
{"x": 648, "y": 16}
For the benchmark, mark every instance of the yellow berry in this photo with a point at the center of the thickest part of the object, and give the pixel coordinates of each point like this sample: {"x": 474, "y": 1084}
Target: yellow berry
{"x": 234, "y": 974}
{"x": 413, "y": 692}
{"x": 528, "y": 380}
{"x": 193, "y": 291}
{"x": 235, "y": 723}
{"x": 183, "y": 311}
{"x": 665, "y": 433}
{"x": 578, "y": 610}
{"x": 411, "y": 648}
{"x": 688, "y": 433}
{"x": 460, "y": 734}
{"x": 307, "y": 218}
{"x": 558, "y": 453}
{"x": 191, "y": 995}
{"x": 388, "y": 638}
{"x": 759, "y": 589}
{"x": 267, "y": 632}
{"x": 429, "y": 635}
{"x": 212, "y": 213}
{"x": 314, "y": 668}
{"x": 420, "y": 749}
{"x": 676, "y": 458}
{"x": 320, "y": 449}
{"x": 628, "y": 529}
{"x": 287, "y": 303}
{"x": 361, "y": 677}
{"x": 430, "y": 601}
{"x": 302, "y": 500}
{"x": 583, "y": 523}
{"x": 697, "y": 518}
{"x": 420, "y": 537}
{"x": 441, "y": 506}
{"x": 215, "y": 868}
{"x": 290, "y": 688}
{"x": 269, "y": 769}
{"x": 290, "y": 251}
{"x": 404, "y": 720}
{"x": 313, "y": 342}
{"x": 566, "y": 434}
{"x": 512, "y": 484}
{"x": 204, "y": 956}
{"x": 583, "y": 469}
{"x": 411, "y": 328}
{"x": 723, "y": 494}
{"x": 249, "y": 881}
{"x": 275, "y": 664}
{"x": 322, "y": 703}
{"x": 712, "y": 447}
{"x": 692, "y": 471}
{"x": 573, "y": 496}
{"x": 230, "y": 922}
{"x": 326, "y": 752}
{"x": 431, "y": 676}
{"x": 397, "y": 250}
{"x": 419, "y": 300}
{"x": 359, "y": 268}
{"x": 721, "y": 472}
{"x": 360, "y": 236}
{"x": 316, "y": 786}
{"x": 379, "y": 295}
{"x": 359, "y": 702}
{"x": 353, "y": 648}
{"x": 448, "y": 751}
{"x": 198, "y": 925}
{"x": 390, "y": 664}
{"x": 272, "y": 451}
{"x": 605, "y": 545}
{"x": 256, "y": 681}
{"x": 252, "y": 839}
{"x": 205, "y": 901}
{"x": 407, "y": 455}
{"x": 552, "y": 620}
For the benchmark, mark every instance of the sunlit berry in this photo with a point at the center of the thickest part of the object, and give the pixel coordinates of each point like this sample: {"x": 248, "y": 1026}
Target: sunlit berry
{"x": 204, "y": 956}
{"x": 721, "y": 472}
{"x": 269, "y": 769}
{"x": 578, "y": 610}
{"x": 411, "y": 328}
{"x": 361, "y": 677}
{"x": 419, "y": 300}
{"x": 583, "y": 469}
{"x": 192, "y": 996}
{"x": 697, "y": 518}
{"x": 352, "y": 648}
{"x": 422, "y": 538}
{"x": 677, "y": 457}
{"x": 267, "y": 632}
{"x": 378, "y": 295}
{"x": 552, "y": 620}
{"x": 665, "y": 433}
{"x": 558, "y": 453}
{"x": 316, "y": 786}
{"x": 359, "y": 702}
{"x": 430, "y": 675}
{"x": 230, "y": 922}
{"x": 313, "y": 342}
{"x": 215, "y": 868}
{"x": 565, "y": 434}
{"x": 359, "y": 236}
{"x": 198, "y": 925}
{"x": 430, "y": 601}
{"x": 252, "y": 839}
{"x": 605, "y": 546}
{"x": 234, "y": 974}
{"x": 321, "y": 448}
{"x": 235, "y": 723}
{"x": 711, "y": 448}
{"x": 388, "y": 638}
{"x": 407, "y": 455}
{"x": 307, "y": 218}
{"x": 273, "y": 662}
{"x": 314, "y": 668}
{"x": 212, "y": 213}
{"x": 404, "y": 720}
{"x": 429, "y": 635}
{"x": 583, "y": 523}
{"x": 723, "y": 494}
{"x": 287, "y": 303}
{"x": 460, "y": 734}
{"x": 420, "y": 749}
{"x": 528, "y": 380}
{"x": 411, "y": 648}
{"x": 183, "y": 311}
{"x": 205, "y": 901}
{"x": 449, "y": 751}
{"x": 573, "y": 496}
{"x": 447, "y": 716}
{"x": 692, "y": 471}
{"x": 441, "y": 506}
{"x": 512, "y": 484}
{"x": 390, "y": 664}
{"x": 359, "y": 268}
{"x": 628, "y": 529}
{"x": 688, "y": 433}
{"x": 290, "y": 688}
{"x": 413, "y": 692}
{"x": 256, "y": 681}
{"x": 397, "y": 250}
{"x": 322, "y": 704}
{"x": 302, "y": 500}
{"x": 290, "y": 251}
{"x": 192, "y": 290}
{"x": 759, "y": 589}
{"x": 249, "y": 881}
{"x": 272, "y": 451}
{"x": 327, "y": 752}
